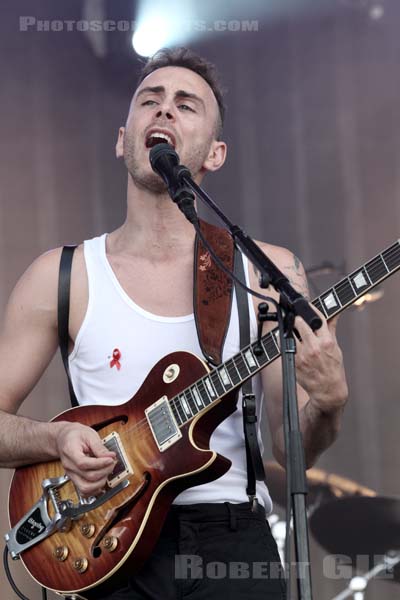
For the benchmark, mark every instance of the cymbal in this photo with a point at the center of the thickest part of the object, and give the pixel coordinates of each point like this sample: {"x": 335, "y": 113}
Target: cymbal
{"x": 322, "y": 486}
{"x": 356, "y": 527}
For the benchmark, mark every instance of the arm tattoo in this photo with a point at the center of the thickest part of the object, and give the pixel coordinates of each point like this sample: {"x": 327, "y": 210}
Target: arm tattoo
{"x": 297, "y": 264}
{"x": 295, "y": 274}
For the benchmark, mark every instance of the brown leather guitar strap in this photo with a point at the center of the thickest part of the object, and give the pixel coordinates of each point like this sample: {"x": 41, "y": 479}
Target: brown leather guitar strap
{"x": 212, "y": 291}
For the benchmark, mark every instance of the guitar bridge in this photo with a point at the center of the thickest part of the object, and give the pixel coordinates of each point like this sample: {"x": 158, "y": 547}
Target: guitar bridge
{"x": 162, "y": 423}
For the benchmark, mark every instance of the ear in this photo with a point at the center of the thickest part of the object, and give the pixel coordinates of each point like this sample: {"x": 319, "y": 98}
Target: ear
{"x": 216, "y": 157}
{"x": 119, "y": 147}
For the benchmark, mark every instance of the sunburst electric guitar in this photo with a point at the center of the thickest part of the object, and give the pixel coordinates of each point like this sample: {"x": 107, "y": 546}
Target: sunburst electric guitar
{"x": 71, "y": 544}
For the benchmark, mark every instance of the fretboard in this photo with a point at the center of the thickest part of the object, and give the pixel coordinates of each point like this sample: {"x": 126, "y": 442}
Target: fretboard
{"x": 254, "y": 357}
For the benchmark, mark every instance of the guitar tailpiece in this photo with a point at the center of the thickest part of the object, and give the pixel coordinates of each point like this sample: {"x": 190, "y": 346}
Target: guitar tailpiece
{"x": 36, "y": 524}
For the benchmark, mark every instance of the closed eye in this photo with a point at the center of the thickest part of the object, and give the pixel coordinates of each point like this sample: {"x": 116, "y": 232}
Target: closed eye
{"x": 186, "y": 107}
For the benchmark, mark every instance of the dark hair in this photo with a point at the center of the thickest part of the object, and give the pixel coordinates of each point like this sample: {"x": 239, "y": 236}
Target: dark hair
{"x": 183, "y": 57}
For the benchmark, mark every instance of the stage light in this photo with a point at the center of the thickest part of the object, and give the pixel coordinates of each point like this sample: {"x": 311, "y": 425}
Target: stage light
{"x": 160, "y": 25}
{"x": 149, "y": 37}
{"x": 376, "y": 12}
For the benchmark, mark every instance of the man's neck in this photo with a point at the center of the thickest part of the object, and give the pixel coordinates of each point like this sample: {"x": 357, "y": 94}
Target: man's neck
{"x": 154, "y": 227}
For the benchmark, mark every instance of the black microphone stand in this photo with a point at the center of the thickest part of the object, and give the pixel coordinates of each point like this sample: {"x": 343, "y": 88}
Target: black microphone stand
{"x": 291, "y": 304}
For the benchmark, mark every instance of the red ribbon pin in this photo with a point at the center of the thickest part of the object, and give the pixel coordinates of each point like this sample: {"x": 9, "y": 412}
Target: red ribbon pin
{"x": 115, "y": 360}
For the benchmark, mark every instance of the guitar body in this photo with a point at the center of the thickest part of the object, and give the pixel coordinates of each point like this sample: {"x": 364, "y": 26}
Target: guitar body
{"x": 133, "y": 518}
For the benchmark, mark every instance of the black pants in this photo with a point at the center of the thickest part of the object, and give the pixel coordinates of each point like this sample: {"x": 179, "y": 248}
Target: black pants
{"x": 209, "y": 552}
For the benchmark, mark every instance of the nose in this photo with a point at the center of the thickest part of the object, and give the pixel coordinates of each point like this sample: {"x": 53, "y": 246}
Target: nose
{"x": 167, "y": 114}
{"x": 166, "y": 110}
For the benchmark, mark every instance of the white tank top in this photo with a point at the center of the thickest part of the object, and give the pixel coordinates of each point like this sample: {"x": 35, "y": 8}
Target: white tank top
{"x": 116, "y": 329}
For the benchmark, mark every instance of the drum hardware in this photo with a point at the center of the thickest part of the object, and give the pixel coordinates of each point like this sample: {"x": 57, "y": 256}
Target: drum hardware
{"x": 358, "y": 585}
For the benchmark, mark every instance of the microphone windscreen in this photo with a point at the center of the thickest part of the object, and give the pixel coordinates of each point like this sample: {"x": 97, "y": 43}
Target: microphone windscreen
{"x": 163, "y": 156}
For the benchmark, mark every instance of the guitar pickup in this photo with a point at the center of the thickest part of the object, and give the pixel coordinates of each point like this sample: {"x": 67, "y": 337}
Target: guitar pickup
{"x": 123, "y": 468}
{"x": 163, "y": 424}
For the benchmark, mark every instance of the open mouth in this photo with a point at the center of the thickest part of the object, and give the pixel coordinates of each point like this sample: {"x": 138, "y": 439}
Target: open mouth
{"x": 159, "y": 137}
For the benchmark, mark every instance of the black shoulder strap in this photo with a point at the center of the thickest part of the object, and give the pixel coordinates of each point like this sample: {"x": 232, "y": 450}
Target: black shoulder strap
{"x": 64, "y": 285}
{"x": 255, "y": 467}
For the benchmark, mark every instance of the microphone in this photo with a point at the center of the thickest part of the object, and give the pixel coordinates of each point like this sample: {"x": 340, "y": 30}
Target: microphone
{"x": 165, "y": 162}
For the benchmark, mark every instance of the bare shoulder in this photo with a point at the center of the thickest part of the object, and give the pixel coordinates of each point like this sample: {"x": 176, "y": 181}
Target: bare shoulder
{"x": 38, "y": 284}
{"x": 288, "y": 263}
{"x": 36, "y": 291}
{"x": 29, "y": 329}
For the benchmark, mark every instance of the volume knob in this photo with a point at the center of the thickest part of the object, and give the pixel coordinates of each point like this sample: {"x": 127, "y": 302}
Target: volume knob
{"x": 80, "y": 564}
{"x": 110, "y": 543}
{"x": 88, "y": 529}
{"x": 61, "y": 553}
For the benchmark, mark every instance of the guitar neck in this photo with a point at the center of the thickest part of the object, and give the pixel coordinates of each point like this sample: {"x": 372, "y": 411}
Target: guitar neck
{"x": 254, "y": 357}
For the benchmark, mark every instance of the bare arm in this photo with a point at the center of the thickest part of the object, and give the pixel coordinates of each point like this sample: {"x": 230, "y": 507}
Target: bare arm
{"x": 28, "y": 341}
{"x": 322, "y": 388}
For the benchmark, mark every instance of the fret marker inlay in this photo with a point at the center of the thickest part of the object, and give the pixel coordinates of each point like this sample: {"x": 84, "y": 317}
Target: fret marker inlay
{"x": 224, "y": 376}
{"x": 197, "y": 397}
{"x": 359, "y": 280}
{"x": 209, "y": 387}
{"x": 186, "y": 406}
{"x": 250, "y": 359}
{"x": 330, "y": 301}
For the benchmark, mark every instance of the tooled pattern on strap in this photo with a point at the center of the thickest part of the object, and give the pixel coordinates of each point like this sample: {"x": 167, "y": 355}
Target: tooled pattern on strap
{"x": 213, "y": 290}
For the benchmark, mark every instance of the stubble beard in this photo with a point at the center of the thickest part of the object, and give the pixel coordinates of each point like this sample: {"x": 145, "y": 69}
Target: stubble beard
{"x": 146, "y": 179}
{"x": 143, "y": 178}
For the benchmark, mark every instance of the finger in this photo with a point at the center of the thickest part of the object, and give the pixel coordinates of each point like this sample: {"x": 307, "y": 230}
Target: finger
{"x": 332, "y": 325}
{"x": 82, "y": 462}
{"x": 82, "y": 440}
{"x": 323, "y": 328}
{"x": 88, "y": 488}
{"x": 93, "y": 448}
{"x": 92, "y": 475}
{"x": 96, "y": 447}
{"x": 305, "y": 332}
{"x": 319, "y": 313}
{"x": 91, "y": 463}
{"x": 89, "y": 478}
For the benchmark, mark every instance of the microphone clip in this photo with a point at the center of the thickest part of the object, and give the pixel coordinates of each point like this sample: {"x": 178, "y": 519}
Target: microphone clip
{"x": 183, "y": 196}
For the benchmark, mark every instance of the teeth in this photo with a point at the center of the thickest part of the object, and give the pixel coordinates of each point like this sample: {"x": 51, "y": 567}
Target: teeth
{"x": 162, "y": 136}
